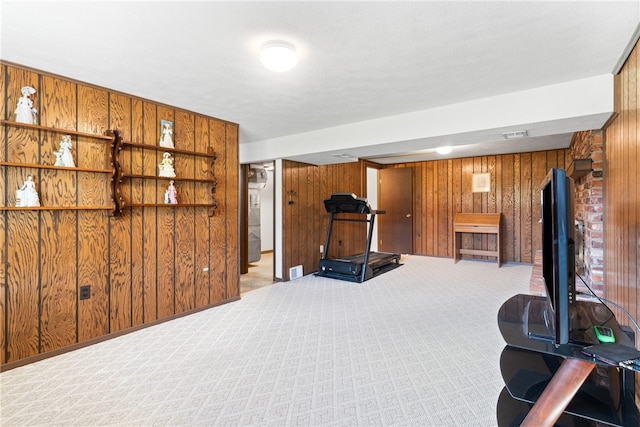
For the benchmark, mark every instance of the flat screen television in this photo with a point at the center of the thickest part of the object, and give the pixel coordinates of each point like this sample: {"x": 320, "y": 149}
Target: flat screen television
{"x": 558, "y": 249}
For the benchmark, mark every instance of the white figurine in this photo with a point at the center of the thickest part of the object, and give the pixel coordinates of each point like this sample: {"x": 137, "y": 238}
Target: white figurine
{"x": 166, "y": 166}
{"x": 59, "y": 161}
{"x": 170, "y": 196}
{"x": 25, "y": 113}
{"x": 166, "y": 140}
{"x": 27, "y": 195}
{"x": 65, "y": 149}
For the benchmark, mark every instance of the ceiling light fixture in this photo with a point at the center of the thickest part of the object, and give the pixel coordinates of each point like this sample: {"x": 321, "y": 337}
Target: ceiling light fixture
{"x": 515, "y": 134}
{"x": 443, "y": 150}
{"x": 278, "y": 55}
{"x": 346, "y": 157}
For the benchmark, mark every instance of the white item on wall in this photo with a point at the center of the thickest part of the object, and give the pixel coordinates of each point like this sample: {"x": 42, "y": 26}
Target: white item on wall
{"x": 171, "y": 195}
{"x": 166, "y": 129}
{"x": 25, "y": 113}
{"x": 27, "y": 196}
{"x": 58, "y": 155}
{"x": 295, "y": 272}
{"x": 165, "y": 168}
{"x": 65, "y": 152}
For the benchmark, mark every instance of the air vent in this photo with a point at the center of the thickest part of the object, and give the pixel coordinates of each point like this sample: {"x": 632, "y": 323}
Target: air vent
{"x": 295, "y": 272}
{"x": 515, "y": 134}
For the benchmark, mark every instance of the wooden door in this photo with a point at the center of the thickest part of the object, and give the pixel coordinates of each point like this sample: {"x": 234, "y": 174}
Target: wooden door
{"x": 395, "y": 196}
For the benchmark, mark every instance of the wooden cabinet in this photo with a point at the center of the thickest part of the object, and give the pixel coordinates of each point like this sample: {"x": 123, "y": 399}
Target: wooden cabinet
{"x": 195, "y": 180}
{"x": 30, "y": 150}
{"x": 481, "y": 223}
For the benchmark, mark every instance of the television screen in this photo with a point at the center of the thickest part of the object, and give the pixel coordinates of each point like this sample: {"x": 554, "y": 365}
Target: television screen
{"x": 558, "y": 252}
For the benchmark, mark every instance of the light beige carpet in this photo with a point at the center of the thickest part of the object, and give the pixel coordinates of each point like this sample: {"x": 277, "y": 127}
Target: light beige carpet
{"x": 416, "y": 346}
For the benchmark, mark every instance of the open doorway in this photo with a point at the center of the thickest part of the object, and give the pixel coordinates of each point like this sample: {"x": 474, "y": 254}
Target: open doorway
{"x": 258, "y": 204}
{"x": 372, "y": 199}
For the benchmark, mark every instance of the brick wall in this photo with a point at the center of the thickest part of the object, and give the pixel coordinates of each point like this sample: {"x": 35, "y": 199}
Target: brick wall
{"x": 590, "y": 206}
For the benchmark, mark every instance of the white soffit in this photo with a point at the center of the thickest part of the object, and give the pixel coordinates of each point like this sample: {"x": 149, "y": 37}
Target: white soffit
{"x": 572, "y": 106}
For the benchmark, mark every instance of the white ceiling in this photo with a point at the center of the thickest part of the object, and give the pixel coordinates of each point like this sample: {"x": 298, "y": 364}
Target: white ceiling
{"x": 374, "y": 79}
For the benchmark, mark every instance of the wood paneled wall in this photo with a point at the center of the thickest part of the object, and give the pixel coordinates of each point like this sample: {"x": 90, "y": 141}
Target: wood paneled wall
{"x": 441, "y": 189}
{"x": 622, "y": 200}
{"x": 144, "y": 266}
{"x": 444, "y": 187}
{"x": 305, "y": 219}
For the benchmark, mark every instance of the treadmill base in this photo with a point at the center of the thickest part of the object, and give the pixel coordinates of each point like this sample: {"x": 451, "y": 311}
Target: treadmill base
{"x": 350, "y": 269}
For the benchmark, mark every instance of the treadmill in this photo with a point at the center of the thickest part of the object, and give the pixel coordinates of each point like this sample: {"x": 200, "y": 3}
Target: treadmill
{"x": 354, "y": 268}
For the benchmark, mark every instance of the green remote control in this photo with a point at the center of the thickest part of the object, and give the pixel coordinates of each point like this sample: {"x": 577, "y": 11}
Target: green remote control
{"x": 604, "y": 334}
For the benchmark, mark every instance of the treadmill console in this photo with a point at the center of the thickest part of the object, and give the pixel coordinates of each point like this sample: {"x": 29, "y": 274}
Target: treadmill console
{"x": 347, "y": 203}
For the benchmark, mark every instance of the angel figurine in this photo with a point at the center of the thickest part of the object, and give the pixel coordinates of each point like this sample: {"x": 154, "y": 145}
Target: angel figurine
{"x": 170, "y": 196}
{"x": 165, "y": 168}
{"x": 65, "y": 149}
{"x": 27, "y": 195}
{"x": 58, "y": 155}
{"x": 25, "y": 113}
{"x": 166, "y": 140}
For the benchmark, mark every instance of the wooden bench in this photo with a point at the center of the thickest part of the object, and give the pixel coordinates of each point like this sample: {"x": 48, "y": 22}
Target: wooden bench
{"x": 485, "y": 223}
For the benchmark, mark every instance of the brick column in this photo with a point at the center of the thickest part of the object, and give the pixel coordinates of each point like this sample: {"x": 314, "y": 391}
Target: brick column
{"x": 589, "y": 206}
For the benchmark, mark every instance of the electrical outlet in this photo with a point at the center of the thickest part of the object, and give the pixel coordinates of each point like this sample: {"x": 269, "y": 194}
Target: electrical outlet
{"x": 85, "y": 292}
{"x": 321, "y": 249}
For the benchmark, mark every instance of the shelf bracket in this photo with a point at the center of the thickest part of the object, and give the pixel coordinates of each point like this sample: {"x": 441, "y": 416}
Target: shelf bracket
{"x": 116, "y": 179}
{"x": 214, "y": 207}
{"x": 579, "y": 168}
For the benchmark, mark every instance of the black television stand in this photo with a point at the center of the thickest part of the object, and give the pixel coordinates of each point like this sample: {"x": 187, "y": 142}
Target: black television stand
{"x": 547, "y": 384}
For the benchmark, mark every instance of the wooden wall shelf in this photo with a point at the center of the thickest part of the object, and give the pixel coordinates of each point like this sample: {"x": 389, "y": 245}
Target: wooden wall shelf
{"x": 166, "y": 178}
{"x": 579, "y": 168}
{"x": 120, "y": 175}
{"x": 169, "y": 205}
{"x": 64, "y": 168}
{"x": 110, "y": 138}
{"x": 211, "y": 154}
{"x": 56, "y": 208}
{"x": 57, "y": 130}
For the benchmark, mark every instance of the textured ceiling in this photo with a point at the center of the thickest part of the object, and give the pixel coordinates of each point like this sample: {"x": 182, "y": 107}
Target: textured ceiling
{"x": 359, "y": 61}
